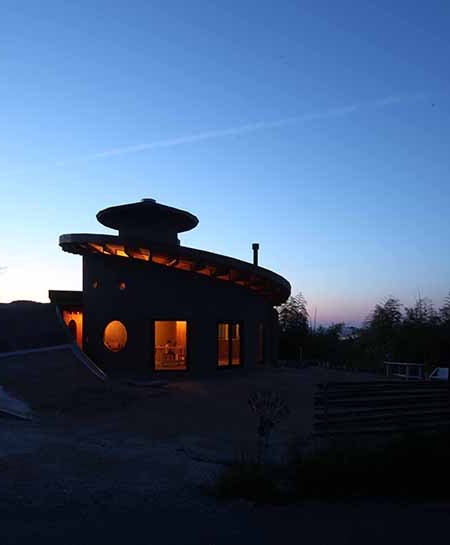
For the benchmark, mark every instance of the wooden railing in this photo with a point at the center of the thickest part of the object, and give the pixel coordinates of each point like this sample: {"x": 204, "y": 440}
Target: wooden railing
{"x": 377, "y": 407}
{"x": 326, "y": 364}
{"x": 408, "y": 371}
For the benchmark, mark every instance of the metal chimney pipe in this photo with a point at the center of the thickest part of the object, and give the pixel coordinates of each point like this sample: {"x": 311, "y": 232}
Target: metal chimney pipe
{"x": 255, "y": 247}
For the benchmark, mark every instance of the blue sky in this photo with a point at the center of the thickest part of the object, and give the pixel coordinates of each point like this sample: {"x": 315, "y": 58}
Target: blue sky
{"x": 319, "y": 129}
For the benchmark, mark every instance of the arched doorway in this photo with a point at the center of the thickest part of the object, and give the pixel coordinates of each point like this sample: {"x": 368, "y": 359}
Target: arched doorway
{"x": 72, "y": 325}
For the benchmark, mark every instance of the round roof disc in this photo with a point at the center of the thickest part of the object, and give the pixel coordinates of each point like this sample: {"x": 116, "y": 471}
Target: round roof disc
{"x": 147, "y": 214}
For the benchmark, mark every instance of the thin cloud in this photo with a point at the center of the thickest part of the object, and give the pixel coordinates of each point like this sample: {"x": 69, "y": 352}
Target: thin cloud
{"x": 221, "y": 133}
{"x": 343, "y": 111}
{"x": 399, "y": 99}
{"x": 252, "y": 127}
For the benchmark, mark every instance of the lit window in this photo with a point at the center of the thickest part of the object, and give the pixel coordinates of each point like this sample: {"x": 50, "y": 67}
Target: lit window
{"x": 229, "y": 344}
{"x": 170, "y": 345}
{"x": 115, "y": 336}
{"x": 223, "y": 348}
{"x": 122, "y": 286}
{"x": 95, "y": 284}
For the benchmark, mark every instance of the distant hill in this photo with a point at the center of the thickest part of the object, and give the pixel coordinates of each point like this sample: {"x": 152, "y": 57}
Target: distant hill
{"x": 27, "y": 324}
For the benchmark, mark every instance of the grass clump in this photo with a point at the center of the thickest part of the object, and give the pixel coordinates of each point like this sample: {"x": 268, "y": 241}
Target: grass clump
{"x": 413, "y": 467}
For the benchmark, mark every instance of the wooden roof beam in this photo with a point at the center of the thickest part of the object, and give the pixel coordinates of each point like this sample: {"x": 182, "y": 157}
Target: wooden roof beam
{"x": 219, "y": 272}
{"x": 173, "y": 262}
{"x": 115, "y": 249}
{"x": 137, "y": 253}
{"x": 96, "y": 248}
{"x": 196, "y": 266}
{"x": 237, "y": 276}
{"x": 107, "y": 250}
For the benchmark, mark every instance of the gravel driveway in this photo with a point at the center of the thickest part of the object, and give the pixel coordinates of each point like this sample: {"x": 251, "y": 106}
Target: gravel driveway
{"x": 122, "y": 475}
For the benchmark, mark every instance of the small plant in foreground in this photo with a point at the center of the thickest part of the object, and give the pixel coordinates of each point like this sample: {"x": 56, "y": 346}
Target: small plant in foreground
{"x": 271, "y": 409}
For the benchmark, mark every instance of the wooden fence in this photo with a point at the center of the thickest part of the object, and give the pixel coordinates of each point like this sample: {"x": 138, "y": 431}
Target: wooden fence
{"x": 340, "y": 365}
{"x": 380, "y": 407}
{"x": 408, "y": 371}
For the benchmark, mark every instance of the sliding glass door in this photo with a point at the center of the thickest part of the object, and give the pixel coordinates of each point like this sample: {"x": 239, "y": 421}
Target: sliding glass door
{"x": 229, "y": 346}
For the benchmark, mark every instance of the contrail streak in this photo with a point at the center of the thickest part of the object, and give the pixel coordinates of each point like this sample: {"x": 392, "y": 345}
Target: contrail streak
{"x": 221, "y": 133}
{"x": 343, "y": 111}
{"x": 253, "y": 127}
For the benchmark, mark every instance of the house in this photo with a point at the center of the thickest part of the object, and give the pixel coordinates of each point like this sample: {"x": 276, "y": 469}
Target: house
{"x": 150, "y": 304}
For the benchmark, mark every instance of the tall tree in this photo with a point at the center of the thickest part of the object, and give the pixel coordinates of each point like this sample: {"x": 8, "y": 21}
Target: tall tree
{"x": 444, "y": 341}
{"x": 421, "y": 333}
{"x": 294, "y": 326}
{"x": 444, "y": 311}
{"x": 422, "y": 313}
{"x": 382, "y": 325}
{"x": 293, "y": 314}
{"x": 387, "y": 315}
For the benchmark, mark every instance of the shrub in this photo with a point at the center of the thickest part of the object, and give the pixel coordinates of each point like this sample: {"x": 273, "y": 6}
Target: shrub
{"x": 415, "y": 466}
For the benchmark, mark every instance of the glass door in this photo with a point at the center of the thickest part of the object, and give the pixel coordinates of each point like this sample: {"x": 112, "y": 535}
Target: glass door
{"x": 229, "y": 346}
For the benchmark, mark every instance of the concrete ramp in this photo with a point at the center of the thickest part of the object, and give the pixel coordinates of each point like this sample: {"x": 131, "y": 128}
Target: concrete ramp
{"x": 10, "y": 406}
{"x": 58, "y": 378}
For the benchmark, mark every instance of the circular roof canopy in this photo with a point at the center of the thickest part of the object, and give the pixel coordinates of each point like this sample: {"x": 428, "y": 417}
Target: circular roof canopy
{"x": 215, "y": 266}
{"x": 146, "y": 215}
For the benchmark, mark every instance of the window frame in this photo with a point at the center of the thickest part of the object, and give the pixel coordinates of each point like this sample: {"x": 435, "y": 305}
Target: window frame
{"x": 230, "y": 365}
{"x": 152, "y": 359}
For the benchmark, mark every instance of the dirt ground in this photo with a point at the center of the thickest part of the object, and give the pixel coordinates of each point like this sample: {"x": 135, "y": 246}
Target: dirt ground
{"x": 131, "y": 464}
{"x": 211, "y": 412}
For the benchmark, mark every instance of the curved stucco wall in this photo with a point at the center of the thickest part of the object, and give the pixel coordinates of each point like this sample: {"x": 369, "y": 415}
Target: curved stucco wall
{"x": 154, "y": 292}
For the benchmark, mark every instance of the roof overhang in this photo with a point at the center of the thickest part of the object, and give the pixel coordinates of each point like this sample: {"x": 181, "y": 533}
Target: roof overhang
{"x": 227, "y": 269}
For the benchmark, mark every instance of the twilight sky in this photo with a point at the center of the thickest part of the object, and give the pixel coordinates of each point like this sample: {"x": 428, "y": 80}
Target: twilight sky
{"x": 319, "y": 129}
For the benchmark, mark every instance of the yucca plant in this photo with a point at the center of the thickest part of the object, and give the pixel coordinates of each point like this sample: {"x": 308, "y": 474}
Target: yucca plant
{"x": 271, "y": 409}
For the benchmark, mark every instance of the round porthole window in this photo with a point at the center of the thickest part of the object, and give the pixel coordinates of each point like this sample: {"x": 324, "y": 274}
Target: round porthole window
{"x": 95, "y": 284}
{"x": 115, "y": 336}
